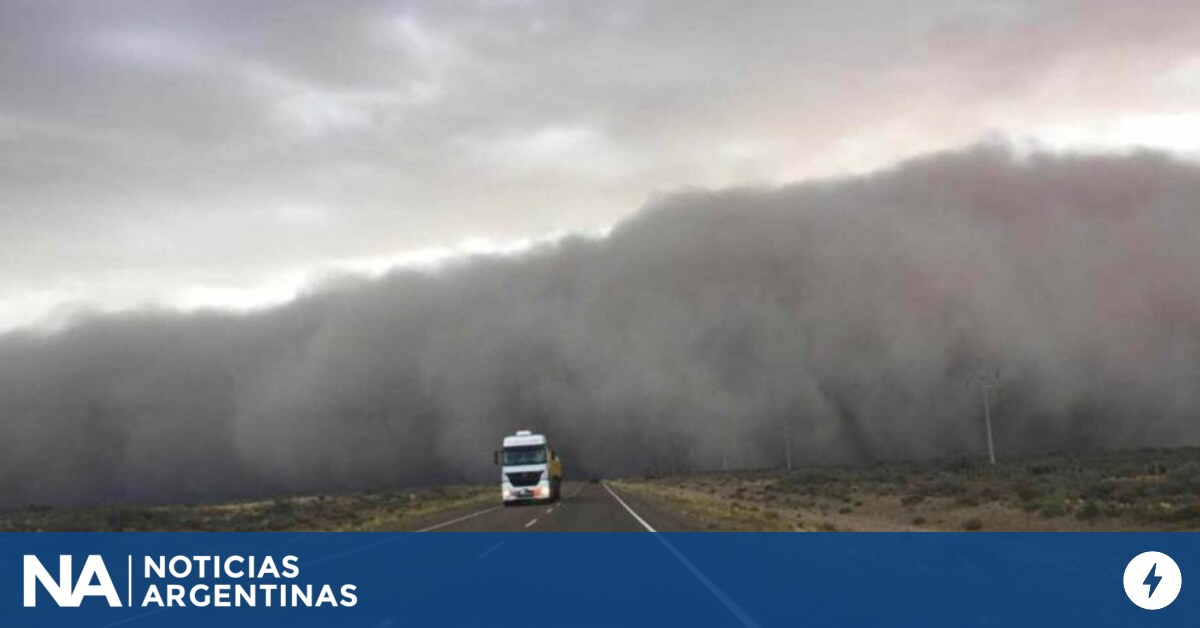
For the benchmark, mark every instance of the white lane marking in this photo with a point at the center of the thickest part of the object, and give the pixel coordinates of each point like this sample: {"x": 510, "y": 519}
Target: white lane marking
{"x": 462, "y": 518}
{"x": 550, "y": 509}
{"x": 704, "y": 580}
{"x": 490, "y": 550}
{"x": 712, "y": 587}
{"x": 628, "y": 509}
{"x": 531, "y": 522}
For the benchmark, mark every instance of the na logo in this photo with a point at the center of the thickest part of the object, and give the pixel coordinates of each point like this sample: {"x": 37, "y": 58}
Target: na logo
{"x": 93, "y": 581}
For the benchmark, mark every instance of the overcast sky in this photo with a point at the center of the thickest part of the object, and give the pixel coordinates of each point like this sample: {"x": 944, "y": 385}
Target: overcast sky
{"x": 209, "y": 153}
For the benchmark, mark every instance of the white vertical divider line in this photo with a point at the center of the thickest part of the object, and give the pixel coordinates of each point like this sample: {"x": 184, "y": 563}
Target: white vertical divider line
{"x": 712, "y": 587}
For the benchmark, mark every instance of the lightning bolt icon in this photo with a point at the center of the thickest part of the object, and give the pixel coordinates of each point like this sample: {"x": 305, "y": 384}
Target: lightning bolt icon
{"x": 1152, "y": 580}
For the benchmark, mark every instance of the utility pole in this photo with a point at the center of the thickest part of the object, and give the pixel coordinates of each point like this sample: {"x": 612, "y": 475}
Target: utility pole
{"x": 987, "y": 382}
{"x": 787, "y": 443}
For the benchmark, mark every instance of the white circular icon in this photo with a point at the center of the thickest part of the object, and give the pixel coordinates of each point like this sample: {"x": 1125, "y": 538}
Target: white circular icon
{"x": 1152, "y": 580}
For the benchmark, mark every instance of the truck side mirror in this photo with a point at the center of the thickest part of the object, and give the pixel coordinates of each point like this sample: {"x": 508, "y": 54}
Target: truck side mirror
{"x": 496, "y": 457}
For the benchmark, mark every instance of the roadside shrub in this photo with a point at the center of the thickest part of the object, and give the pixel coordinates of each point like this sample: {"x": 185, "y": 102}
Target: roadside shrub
{"x": 1089, "y": 511}
{"x": 1128, "y": 491}
{"x": 1165, "y": 513}
{"x": 1028, "y": 491}
{"x": 949, "y": 487}
{"x": 971, "y": 525}
{"x": 1051, "y": 508}
{"x": 1186, "y": 477}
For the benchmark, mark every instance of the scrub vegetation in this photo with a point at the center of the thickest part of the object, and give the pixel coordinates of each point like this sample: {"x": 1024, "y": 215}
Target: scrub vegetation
{"x": 1148, "y": 489}
{"x": 365, "y": 511}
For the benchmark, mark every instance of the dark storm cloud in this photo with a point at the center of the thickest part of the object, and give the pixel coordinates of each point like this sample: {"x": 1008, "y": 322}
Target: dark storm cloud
{"x": 149, "y": 147}
{"x": 853, "y": 309}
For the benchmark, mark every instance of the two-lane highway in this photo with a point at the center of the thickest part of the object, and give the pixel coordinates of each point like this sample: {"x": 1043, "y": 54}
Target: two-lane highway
{"x": 595, "y": 507}
{"x": 585, "y": 507}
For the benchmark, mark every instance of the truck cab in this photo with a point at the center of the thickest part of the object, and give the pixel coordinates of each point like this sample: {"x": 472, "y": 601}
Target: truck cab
{"x": 530, "y": 469}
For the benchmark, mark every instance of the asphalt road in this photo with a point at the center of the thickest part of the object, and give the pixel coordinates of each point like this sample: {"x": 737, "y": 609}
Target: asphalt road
{"x": 587, "y": 507}
{"x": 584, "y": 507}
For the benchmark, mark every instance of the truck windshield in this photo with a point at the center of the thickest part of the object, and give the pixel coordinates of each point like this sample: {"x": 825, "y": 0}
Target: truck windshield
{"x": 535, "y": 454}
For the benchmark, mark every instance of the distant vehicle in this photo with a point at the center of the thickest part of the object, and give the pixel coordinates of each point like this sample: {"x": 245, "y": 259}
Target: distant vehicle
{"x": 530, "y": 469}
{"x": 595, "y": 479}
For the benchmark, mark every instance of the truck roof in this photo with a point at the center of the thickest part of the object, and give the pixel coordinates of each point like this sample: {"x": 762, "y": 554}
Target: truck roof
{"x": 524, "y": 438}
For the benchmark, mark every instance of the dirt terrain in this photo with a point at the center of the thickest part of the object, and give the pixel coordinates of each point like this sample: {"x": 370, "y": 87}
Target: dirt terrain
{"x": 1153, "y": 489}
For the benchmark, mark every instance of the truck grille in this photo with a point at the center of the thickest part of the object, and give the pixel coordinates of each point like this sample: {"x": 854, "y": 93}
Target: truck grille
{"x": 524, "y": 478}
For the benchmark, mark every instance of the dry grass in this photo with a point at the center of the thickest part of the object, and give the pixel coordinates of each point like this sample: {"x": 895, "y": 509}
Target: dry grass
{"x": 1155, "y": 489}
{"x": 368, "y": 511}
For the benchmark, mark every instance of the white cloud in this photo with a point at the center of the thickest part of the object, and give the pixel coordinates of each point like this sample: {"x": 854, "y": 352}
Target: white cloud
{"x": 1179, "y": 133}
{"x": 575, "y": 149}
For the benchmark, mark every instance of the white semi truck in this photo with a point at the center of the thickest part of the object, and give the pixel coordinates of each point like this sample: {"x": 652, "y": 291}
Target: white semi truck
{"x": 530, "y": 469}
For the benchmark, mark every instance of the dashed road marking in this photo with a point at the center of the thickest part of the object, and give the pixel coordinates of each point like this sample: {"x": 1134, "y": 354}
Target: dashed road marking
{"x": 531, "y": 522}
{"x": 462, "y": 518}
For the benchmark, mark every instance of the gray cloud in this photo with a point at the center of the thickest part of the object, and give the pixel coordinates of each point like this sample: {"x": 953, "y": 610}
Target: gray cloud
{"x": 854, "y": 309}
{"x": 148, "y": 147}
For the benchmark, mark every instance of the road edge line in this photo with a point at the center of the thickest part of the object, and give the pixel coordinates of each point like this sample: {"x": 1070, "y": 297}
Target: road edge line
{"x": 648, "y": 527}
{"x": 712, "y": 587}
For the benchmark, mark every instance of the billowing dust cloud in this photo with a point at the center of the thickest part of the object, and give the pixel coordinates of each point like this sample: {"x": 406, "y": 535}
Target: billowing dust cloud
{"x": 853, "y": 311}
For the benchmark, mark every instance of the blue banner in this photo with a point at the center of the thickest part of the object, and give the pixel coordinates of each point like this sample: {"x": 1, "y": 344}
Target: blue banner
{"x": 375, "y": 580}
